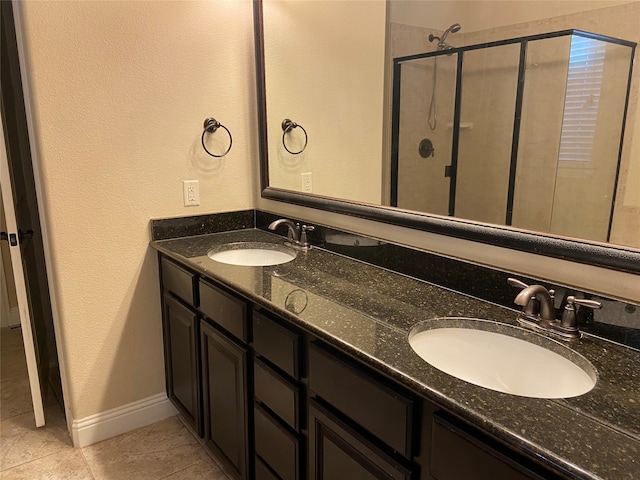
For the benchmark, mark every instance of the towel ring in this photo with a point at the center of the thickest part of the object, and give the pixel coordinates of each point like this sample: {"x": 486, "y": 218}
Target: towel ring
{"x": 287, "y": 126}
{"x": 211, "y": 125}
{"x": 290, "y": 301}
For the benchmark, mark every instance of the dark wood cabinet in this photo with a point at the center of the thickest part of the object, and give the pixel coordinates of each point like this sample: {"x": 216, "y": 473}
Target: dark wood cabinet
{"x": 181, "y": 359}
{"x": 179, "y": 281}
{"x": 277, "y": 344}
{"x": 224, "y": 383}
{"x": 278, "y": 394}
{"x": 382, "y": 408}
{"x": 272, "y": 401}
{"x": 484, "y": 459}
{"x": 180, "y": 325}
{"x": 276, "y": 445}
{"x": 224, "y": 309}
{"x": 337, "y": 451}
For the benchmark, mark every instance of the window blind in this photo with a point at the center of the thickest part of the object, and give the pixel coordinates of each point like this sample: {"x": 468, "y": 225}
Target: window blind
{"x": 582, "y": 97}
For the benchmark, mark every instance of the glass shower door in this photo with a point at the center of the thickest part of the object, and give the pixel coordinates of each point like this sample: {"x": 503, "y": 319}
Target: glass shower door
{"x": 427, "y": 96}
{"x": 489, "y": 90}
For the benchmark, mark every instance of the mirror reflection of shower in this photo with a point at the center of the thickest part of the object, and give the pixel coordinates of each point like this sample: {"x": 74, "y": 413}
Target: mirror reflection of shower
{"x": 442, "y": 45}
{"x": 442, "y": 41}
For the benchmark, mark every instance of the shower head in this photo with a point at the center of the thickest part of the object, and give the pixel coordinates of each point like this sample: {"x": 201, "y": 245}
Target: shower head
{"x": 442, "y": 44}
{"x": 455, "y": 28}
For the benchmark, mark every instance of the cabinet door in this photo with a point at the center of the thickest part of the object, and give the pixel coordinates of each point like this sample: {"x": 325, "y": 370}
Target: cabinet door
{"x": 337, "y": 451}
{"x": 224, "y": 384}
{"x": 484, "y": 459}
{"x": 181, "y": 360}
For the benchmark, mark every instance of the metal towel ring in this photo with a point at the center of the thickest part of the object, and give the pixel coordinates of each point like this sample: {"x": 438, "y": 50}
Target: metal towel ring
{"x": 211, "y": 125}
{"x": 289, "y": 302}
{"x": 287, "y": 126}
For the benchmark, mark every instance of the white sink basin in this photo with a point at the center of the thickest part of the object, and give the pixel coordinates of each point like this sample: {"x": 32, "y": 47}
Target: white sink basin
{"x": 252, "y": 254}
{"x": 497, "y": 356}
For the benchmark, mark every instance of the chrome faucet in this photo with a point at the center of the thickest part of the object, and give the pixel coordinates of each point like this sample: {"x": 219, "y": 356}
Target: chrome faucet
{"x": 296, "y": 234}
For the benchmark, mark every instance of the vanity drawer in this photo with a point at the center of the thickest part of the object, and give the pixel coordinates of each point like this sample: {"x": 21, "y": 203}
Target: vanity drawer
{"x": 223, "y": 309}
{"x": 276, "y": 446}
{"x": 276, "y": 343}
{"x": 384, "y": 410}
{"x": 276, "y": 393}
{"x": 178, "y": 281}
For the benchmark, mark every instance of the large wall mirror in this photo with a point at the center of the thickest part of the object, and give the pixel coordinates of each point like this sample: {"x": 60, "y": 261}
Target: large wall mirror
{"x": 510, "y": 123}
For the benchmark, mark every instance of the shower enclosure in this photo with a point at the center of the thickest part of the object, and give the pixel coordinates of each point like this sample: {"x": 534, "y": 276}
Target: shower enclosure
{"x": 529, "y": 131}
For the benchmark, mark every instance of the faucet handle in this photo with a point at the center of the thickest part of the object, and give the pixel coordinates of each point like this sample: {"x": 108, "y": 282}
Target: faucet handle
{"x": 585, "y": 302}
{"x": 514, "y": 282}
{"x": 569, "y": 319}
{"x": 533, "y": 306}
{"x": 304, "y": 242}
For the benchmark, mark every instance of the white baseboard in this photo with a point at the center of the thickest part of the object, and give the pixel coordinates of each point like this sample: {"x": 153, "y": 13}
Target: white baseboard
{"x": 104, "y": 425}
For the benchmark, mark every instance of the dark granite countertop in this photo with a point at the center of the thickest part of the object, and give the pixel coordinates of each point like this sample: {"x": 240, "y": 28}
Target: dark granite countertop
{"x": 368, "y": 311}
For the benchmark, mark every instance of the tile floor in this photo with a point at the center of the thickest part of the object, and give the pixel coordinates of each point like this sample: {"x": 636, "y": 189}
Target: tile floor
{"x": 164, "y": 450}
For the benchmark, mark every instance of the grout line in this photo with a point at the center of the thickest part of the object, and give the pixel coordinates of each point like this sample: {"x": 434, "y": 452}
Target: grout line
{"x": 93, "y": 476}
{"x": 5, "y": 470}
{"x": 200, "y": 441}
{"x": 177, "y": 471}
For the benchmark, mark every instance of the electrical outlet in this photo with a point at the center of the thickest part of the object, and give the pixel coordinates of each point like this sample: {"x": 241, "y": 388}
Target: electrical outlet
{"x": 307, "y": 185}
{"x": 191, "y": 192}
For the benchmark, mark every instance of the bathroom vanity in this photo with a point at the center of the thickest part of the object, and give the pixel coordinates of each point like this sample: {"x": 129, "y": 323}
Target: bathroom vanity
{"x": 304, "y": 370}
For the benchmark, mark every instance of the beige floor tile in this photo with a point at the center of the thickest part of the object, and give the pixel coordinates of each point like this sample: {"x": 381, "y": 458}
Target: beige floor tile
{"x": 205, "y": 469}
{"x": 12, "y": 360}
{"x": 13, "y": 365}
{"x": 65, "y": 465}
{"x": 10, "y": 338}
{"x": 22, "y": 442}
{"x": 15, "y": 397}
{"x": 152, "y": 453}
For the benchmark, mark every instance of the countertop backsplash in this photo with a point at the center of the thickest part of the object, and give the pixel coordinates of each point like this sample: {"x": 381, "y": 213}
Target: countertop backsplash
{"x": 617, "y": 321}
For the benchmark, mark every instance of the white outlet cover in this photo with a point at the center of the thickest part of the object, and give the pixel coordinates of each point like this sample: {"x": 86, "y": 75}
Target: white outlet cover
{"x": 191, "y": 192}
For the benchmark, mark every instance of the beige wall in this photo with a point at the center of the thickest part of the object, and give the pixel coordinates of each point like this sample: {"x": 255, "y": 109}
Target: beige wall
{"x": 313, "y": 79}
{"x": 119, "y": 92}
{"x": 483, "y": 14}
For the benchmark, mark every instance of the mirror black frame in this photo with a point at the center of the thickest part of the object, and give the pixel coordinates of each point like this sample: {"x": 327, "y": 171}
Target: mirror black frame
{"x": 613, "y": 257}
